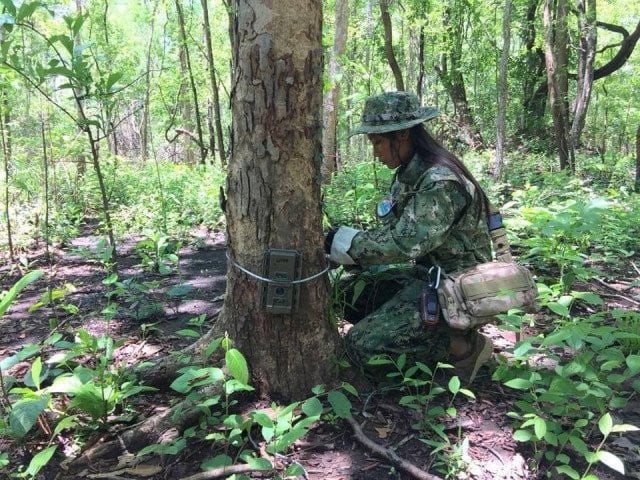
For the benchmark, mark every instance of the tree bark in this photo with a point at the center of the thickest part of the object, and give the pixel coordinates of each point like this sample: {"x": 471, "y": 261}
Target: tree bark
{"x": 586, "y": 57}
{"x": 332, "y": 97}
{"x": 503, "y": 90}
{"x": 556, "y": 62}
{"x": 273, "y": 189}
{"x": 215, "y": 98}
{"x": 388, "y": 45}
{"x": 5, "y": 139}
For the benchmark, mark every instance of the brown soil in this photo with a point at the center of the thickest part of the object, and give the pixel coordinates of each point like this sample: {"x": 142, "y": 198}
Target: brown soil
{"x": 329, "y": 451}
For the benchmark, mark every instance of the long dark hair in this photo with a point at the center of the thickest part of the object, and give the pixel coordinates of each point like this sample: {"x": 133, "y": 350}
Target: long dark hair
{"x": 435, "y": 154}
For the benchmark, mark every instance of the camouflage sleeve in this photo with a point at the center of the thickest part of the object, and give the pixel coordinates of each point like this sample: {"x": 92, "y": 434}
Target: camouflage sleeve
{"x": 422, "y": 226}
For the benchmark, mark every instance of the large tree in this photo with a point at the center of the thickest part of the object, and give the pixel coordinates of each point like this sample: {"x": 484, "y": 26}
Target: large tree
{"x": 273, "y": 186}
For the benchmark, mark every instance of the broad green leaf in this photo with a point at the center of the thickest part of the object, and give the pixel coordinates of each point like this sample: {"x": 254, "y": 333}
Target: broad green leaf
{"x": 262, "y": 419}
{"x": 40, "y": 460}
{"x": 568, "y": 471}
{"x": 24, "y": 415}
{"x": 454, "y": 385}
{"x": 522, "y": 435}
{"x": 518, "y": 384}
{"x": 66, "y": 422}
{"x": 611, "y": 461}
{"x": 10, "y": 6}
{"x": 588, "y": 297}
{"x": 179, "y": 290}
{"x": 312, "y": 407}
{"x": 340, "y": 403}
{"x": 259, "y": 464}
{"x": 218, "y": 461}
{"x": 237, "y": 365}
{"x": 318, "y": 390}
{"x": 633, "y": 362}
{"x": 197, "y": 377}
{"x": 36, "y": 371}
{"x": 579, "y": 445}
{"x": 13, "y": 292}
{"x": 605, "y": 424}
{"x": 539, "y": 427}
{"x": 295, "y": 470}
{"x": 188, "y": 332}
{"x": 558, "y": 309}
{"x": 349, "y": 388}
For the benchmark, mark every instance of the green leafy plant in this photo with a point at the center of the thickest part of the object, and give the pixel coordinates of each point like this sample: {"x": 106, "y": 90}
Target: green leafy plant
{"x": 583, "y": 377}
{"x": 158, "y": 252}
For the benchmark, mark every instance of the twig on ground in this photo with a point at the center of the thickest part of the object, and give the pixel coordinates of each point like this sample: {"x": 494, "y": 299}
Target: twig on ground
{"x": 618, "y": 292}
{"x": 635, "y": 267}
{"x": 389, "y": 455}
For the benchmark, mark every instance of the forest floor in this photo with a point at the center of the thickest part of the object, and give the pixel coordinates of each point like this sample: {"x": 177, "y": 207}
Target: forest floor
{"x": 329, "y": 451}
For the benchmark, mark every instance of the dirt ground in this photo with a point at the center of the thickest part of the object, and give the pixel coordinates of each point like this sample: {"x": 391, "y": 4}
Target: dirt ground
{"x": 329, "y": 451}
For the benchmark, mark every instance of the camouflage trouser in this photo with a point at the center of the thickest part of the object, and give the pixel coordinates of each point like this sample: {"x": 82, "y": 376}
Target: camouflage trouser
{"x": 386, "y": 318}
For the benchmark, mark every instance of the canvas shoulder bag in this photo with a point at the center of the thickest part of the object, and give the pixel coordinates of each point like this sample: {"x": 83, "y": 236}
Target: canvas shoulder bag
{"x": 476, "y": 295}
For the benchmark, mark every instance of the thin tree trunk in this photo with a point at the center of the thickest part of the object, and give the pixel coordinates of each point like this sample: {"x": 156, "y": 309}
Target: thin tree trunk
{"x": 144, "y": 140}
{"x": 586, "y": 57}
{"x": 215, "y": 100}
{"x": 45, "y": 163}
{"x": 81, "y": 159}
{"x": 5, "y": 136}
{"x": 388, "y": 45}
{"x": 503, "y": 90}
{"x": 534, "y": 97}
{"x": 421, "y": 71}
{"x": 555, "y": 60}
{"x": 332, "y": 97}
{"x": 637, "y": 160}
{"x": 192, "y": 83}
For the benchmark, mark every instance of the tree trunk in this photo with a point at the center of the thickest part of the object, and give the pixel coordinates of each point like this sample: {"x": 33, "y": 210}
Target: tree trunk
{"x": 81, "y": 158}
{"x": 534, "y": 98}
{"x": 332, "y": 98}
{"x": 194, "y": 91}
{"x": 503, "y": 90}
{"x": 421, "y": 71}
{"x": 5, "y": 136}
{"x": 450, "y": 74}
{"x": 556, "y": 62}
{"x": 637, "y": 186}
{"x": 586, "y": 57}
{"x": 144, "y": 134}
{"x": 273, "y": 190}
{"x": 215, "y": 99}
{"x": 388, "y": 45}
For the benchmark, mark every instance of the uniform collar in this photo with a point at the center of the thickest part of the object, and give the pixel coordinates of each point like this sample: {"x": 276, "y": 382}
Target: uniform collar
{"x": 411, "y": 172}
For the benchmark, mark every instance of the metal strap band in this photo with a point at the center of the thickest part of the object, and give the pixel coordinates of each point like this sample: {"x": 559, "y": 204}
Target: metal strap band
{"x": 277, "y": 282}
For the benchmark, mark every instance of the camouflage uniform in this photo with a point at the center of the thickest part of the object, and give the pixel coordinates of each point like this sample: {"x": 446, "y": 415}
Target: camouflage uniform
{"x": 429, "y": 218}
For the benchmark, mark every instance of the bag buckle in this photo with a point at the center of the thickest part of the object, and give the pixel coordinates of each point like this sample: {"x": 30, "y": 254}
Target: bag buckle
{"x": 434, "y": 283}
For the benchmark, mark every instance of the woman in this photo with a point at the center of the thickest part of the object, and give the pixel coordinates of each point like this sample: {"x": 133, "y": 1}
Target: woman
{"x": 435, "y": 215}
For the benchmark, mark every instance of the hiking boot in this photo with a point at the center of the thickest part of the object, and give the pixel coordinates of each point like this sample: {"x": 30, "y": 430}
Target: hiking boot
{"x": 467, "y": 367}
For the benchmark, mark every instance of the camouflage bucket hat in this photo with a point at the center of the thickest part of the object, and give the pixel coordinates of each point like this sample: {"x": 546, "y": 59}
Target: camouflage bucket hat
{"x": 393, "y": 111}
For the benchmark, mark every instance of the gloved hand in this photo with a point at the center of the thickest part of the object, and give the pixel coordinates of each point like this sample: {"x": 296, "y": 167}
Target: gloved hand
{"x": 328, "y": 239}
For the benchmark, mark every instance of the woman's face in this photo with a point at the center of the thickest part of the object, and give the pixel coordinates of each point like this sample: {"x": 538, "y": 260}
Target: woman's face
{"x": 391, "y": 150}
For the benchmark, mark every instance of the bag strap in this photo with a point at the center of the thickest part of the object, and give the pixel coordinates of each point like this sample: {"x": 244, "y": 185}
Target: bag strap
{"x": 501, "y": 245}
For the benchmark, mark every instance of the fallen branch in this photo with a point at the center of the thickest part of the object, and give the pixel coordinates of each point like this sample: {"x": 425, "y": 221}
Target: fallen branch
{"x": 389, "y": 455}
{"x": 224, "y": 472}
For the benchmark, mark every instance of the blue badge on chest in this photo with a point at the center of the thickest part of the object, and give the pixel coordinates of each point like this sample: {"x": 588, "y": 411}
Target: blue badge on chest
{"x": 384, "y": 206}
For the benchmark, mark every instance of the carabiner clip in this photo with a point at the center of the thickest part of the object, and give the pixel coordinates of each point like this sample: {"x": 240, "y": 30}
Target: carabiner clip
{"x": 434, "y": 284}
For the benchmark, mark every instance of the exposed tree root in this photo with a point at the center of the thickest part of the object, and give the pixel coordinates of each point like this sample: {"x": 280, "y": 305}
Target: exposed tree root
{"x": 165, "y": 370}
{"x": 159, "y": 428}
{"x": 389, "y": 455}
{"x": 223, "y": 472}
